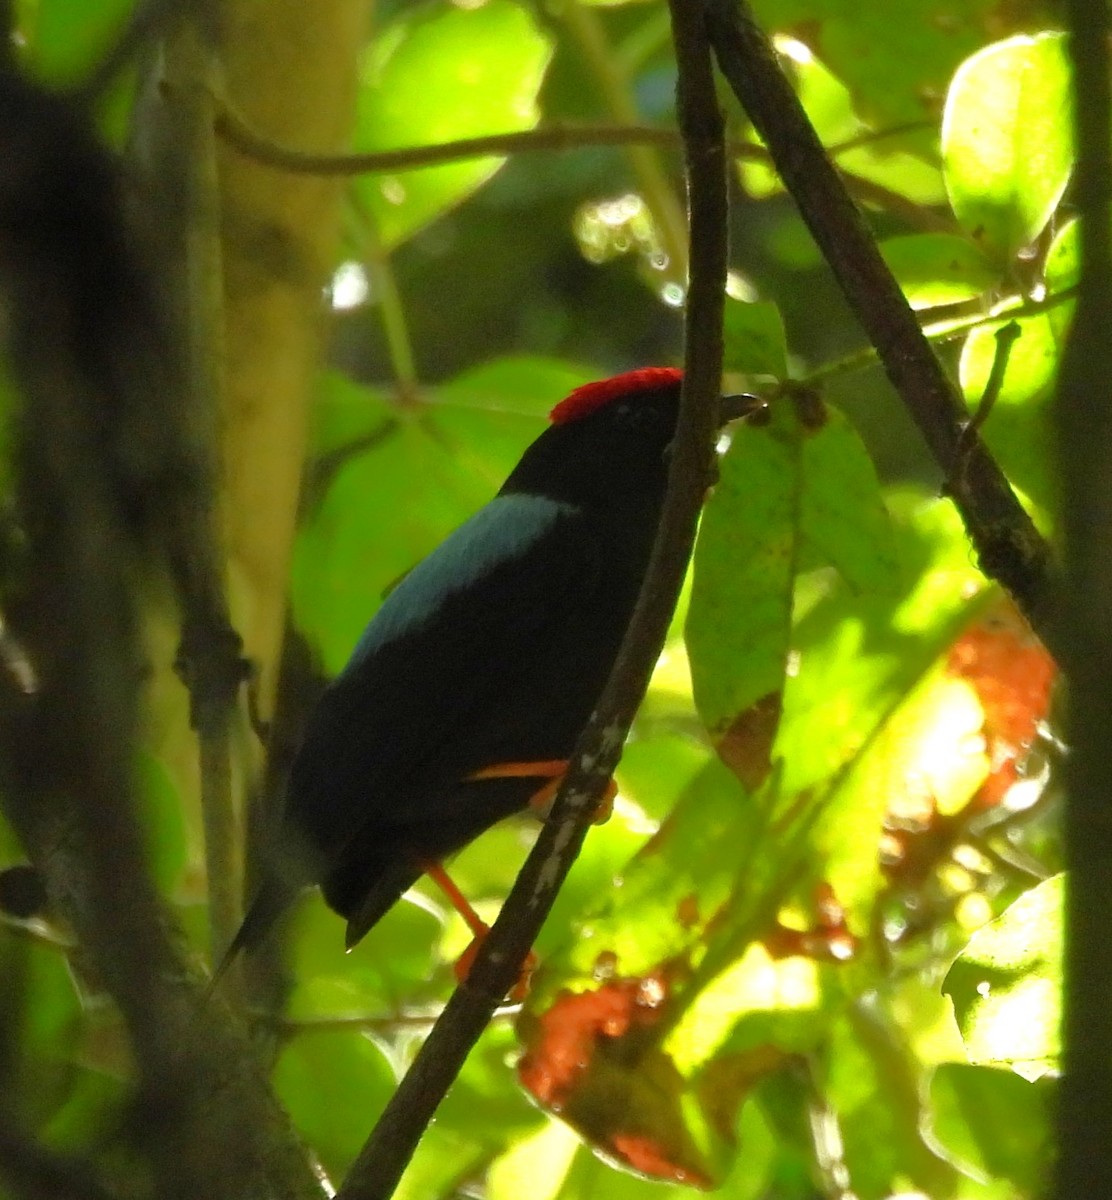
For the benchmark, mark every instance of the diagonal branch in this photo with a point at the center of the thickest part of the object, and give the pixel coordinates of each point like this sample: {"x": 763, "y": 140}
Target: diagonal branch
{"x": 1009, "y": 547}
{"x": 390, "y": 1146}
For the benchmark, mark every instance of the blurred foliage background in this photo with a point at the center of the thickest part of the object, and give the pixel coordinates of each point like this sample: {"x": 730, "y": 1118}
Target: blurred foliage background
{"x": 814, "y": 952}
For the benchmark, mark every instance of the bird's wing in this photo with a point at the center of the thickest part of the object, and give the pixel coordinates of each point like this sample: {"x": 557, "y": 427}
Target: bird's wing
{"x": 453, "y": 636}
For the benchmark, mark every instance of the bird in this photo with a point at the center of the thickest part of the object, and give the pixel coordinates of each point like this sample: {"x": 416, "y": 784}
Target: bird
{"x": 463, "y": 699}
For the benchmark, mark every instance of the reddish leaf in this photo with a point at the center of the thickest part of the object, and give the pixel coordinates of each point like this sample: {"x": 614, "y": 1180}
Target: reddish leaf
{"x": 1012, "y": 673}
{"x": 594, "y": 1059}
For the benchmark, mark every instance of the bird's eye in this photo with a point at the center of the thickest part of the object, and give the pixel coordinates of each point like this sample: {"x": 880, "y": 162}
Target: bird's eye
{"x": 636, "y": 416}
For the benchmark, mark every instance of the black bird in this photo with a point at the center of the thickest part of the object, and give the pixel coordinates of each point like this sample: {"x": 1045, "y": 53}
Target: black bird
{"x": 464, "y": 697}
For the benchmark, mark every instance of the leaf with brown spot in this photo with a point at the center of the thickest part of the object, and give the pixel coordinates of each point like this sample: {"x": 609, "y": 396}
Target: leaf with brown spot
{"x": 746, "y": 746}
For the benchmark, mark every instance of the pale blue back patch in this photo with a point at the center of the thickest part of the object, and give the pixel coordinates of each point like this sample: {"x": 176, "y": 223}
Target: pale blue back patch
{"x": 504, "y": 529}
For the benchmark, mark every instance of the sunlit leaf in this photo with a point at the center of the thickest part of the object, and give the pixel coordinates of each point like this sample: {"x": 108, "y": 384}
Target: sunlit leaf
{"x": 793, "y": 494}
{"x": 1006, "y": 985}
{"x": 857, "y": 654}
{"x": 438, "y": 74}
{"x": 534, "y": 1166}
{"x": 938, "y": 268}
{"x": 830, "y": 107}
{"x": 893, "y": 68}
{"x": 1006, "y": 141}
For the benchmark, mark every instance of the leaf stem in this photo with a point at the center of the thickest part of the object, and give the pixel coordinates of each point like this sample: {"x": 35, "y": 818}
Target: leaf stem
{"x": 384, "y": 289}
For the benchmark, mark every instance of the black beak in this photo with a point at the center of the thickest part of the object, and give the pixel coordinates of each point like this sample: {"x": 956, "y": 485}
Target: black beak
{"x": 733, "y": 408}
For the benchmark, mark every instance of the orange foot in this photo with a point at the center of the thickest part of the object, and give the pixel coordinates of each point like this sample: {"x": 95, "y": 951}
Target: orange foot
{"x": 479, "y": 930}
{"x": 553, "y": 770}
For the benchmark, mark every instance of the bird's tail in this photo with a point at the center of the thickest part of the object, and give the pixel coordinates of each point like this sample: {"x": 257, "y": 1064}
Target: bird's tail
{"x": 271, "y": 901}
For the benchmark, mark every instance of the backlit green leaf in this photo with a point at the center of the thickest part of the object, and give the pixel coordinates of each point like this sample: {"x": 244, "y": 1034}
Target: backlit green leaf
{"x": 938, "y": 268}
{"x": 440, "y": 73}
{"x": 1006, "y": 985}
{"x": 1006, "y": 144}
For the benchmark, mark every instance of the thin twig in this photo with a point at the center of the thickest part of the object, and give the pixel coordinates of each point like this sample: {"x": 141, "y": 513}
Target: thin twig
{"x": 234, "y": 129}
{"x": 383, "y": 1158}
{"x": 1009, "y": 547}
{"x": 1006, "y": 337}
{"x": 1018, "y": 308}
{"x": 1084, "y": 422}
{"x": 382, "y": 1025}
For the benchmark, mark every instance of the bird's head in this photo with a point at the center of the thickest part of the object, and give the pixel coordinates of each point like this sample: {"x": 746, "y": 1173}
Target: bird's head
{"x": 609, "y": 438}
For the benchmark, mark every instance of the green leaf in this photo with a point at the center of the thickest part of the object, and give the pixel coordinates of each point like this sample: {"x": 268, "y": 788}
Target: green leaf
{"x": 938, "y": 268}
{"x": 1061, "y": 273}
{"x": 755, "y": 343}
{"x": 397, "y": 956}
{"x": 992, "y": 1124}
{"x": 535, "y": 1166}
{"x": 791, "y": 495}
{"x": 333, "y": 1082}
{"x": 43, "y": 1017}
{"x": 843, "y": 516}
{"x": 746, "y": 559}
{"x": 868, "y": 1069}
{"x": 1020, "y": 427}
{"x": 831, "y": 109}
{"x": 891, "y": 60}
{"x": 440, "y": 74}
{"x": 858, "y": 655}
{"x": 65, "y": 38}
{"x": 679, "y": 878}
{"x": 1006, "y": 985}
{"x": 1006, "y": 144}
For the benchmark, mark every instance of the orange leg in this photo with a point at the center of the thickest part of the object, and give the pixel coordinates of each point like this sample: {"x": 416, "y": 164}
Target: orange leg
{"x": 479, "y": 930}
{"x": 553, "y": 770}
